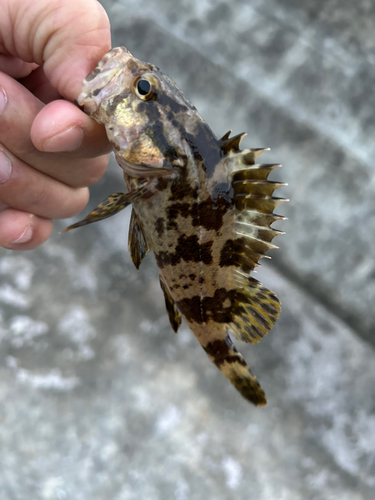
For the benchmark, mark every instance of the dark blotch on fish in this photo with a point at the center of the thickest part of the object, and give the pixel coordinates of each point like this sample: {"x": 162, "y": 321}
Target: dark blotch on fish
{"x": 201, "y": 310}
{"x": 159, "y": 226}
{"x": 187, "y": 249}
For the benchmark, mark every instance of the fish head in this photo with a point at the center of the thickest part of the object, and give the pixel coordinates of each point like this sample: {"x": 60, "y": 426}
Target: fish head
{"x": 147, "y": 118}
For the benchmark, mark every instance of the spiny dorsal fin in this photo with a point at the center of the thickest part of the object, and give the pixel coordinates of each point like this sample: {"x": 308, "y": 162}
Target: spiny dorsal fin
{"x": 254, "y": 201}
{"x": 137, "y": 244}
{"x": 232, "y": 144}
{"x": 173, "y": 312}
{"x": 255, "y": 308}
{"x": 250, "y": 171}
{"x": 226, "y": 136}
{"x": 258, "y": 151}
{"x": 243, "y": 159}
{"x": 251, "y": 189}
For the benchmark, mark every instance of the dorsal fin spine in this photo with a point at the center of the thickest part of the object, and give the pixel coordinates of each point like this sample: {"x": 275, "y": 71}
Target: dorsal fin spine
{"x": 226, "y": 136}
{"x": 232, "y": 144}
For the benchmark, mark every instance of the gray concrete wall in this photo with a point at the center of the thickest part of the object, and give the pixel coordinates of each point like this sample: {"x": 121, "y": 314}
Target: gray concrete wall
{"x": 99, "y": 398}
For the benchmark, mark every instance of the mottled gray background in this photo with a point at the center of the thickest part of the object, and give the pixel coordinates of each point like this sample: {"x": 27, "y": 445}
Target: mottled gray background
{"x": 100, "y": 399}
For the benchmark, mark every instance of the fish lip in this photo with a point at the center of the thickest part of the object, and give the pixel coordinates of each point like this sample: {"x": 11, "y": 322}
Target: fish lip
{"x": 134, "y": 170}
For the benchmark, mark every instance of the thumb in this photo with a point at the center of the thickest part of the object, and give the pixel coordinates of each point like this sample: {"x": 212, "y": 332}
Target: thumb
{"x": 67, "y": 37}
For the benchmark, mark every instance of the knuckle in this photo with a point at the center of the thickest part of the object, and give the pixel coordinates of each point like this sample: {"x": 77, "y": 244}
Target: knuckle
{"x": 36, "y": 197}
{"x": 97, "y": 168}
{"x": 73, "y": 205}
{"x": 83, "y": 196}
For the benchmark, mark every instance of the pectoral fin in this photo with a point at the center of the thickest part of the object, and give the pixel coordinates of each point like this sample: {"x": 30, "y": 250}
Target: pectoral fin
{"x": 110, "y": 206}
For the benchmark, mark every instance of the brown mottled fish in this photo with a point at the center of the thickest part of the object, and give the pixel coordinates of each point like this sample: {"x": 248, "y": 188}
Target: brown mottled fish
{"x": 201, "y": 205}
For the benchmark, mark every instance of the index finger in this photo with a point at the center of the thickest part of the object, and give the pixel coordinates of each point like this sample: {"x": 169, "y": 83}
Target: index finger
{"x": 68, "y": 38}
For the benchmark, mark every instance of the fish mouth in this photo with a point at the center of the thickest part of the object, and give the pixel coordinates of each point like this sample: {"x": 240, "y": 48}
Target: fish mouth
{"x": 134, "y": 170}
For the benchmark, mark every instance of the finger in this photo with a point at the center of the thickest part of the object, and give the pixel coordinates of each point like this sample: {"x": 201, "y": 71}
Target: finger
{"x": 16, "y": 119}
{"x": 69, "y": 37}
{"x": 15, "y": 67}
{"x": 55, "y": 130}
{"x": 38, "y": 84}
{"x": 23, "y": 231}
{"x": 24, "y": 188}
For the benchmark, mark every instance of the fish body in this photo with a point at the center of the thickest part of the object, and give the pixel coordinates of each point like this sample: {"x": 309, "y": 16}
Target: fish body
{"x": 201, "y": 205}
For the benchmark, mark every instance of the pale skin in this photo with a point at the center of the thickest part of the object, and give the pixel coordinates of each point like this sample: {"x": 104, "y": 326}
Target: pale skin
{"x": 50, "y": 151}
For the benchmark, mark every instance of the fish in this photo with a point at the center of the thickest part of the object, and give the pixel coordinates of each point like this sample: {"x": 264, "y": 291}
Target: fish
{"x": 201, "y": 205}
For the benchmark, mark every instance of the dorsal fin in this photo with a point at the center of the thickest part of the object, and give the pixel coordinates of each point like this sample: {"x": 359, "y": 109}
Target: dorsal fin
{"x": 173, "y": 312}
{"x": 137, "y": 244}
{"x": 256, "y": 308}
{"x": 229, "y": 145}
{"x": 226, "y": 136}
{"x": 248, "y": 156}
{"x": 252, "y": 191}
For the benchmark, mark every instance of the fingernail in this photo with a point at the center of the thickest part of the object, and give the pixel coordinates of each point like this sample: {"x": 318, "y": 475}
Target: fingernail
{"x": 25, "y": 236}
{"x": 3, "y": 99}
{"x": 5, "y": 166}
{"x": 69, "y": 140}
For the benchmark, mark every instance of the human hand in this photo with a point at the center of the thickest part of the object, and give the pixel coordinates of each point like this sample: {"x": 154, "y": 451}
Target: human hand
{"x": 50, "y": 151}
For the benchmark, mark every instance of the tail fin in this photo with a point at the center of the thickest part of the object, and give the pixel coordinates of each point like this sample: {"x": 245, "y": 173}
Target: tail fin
{"x": 225, "y": 356}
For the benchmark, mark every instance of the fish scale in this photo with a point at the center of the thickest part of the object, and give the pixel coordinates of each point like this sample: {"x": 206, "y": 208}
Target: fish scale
{"x": 201, "y": 205}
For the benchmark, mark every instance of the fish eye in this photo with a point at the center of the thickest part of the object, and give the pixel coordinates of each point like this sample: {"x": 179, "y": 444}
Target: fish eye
{"x": 143, "y": 87}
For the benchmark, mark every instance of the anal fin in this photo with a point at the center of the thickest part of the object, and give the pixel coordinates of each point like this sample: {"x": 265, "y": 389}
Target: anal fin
{"x": 137, "y": 243}
{"x": 110, "y": 206}
{"x": 173, "y": 312}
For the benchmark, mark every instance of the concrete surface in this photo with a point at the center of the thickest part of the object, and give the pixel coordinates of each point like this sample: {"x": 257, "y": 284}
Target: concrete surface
{"x": 100, "y": 399}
